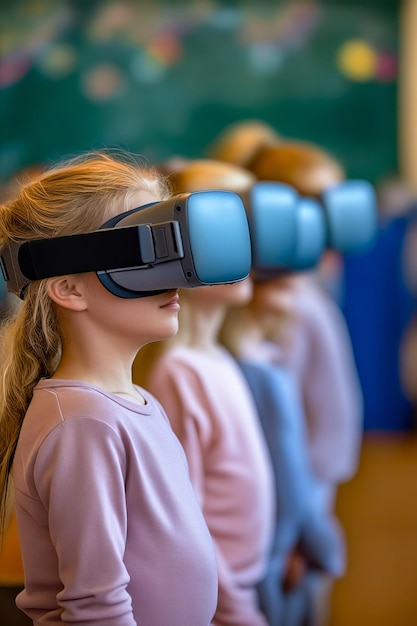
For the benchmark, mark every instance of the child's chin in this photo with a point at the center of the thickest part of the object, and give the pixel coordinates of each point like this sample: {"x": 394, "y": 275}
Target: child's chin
{"x": 170, "y": 332}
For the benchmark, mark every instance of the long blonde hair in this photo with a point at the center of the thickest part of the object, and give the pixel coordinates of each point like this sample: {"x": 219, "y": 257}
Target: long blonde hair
{"x": 73, "y": 197}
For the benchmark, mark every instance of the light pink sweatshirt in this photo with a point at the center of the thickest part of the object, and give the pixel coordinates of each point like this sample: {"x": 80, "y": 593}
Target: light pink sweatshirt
{"x": 213, "y": 413}
{"x": 321, "y": 358}
{"x": 111, "y": 531}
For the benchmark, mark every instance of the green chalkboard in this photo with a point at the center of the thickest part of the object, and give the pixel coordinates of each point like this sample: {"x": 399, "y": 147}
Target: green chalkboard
{"x": 163, "y": 78}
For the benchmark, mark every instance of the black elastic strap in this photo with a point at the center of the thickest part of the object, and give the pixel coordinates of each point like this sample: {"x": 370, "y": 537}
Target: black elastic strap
{"x": 105, "y": 249}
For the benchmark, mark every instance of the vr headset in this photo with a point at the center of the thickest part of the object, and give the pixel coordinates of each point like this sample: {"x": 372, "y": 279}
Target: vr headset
{"x": 204, "y": 238}
{"x": 290, "y": 233}
{"x": 351, "y": 211}
{"x": 190, "y": 240}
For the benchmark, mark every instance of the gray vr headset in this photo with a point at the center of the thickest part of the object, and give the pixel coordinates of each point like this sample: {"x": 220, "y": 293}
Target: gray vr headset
{"x": 204, "y": 238}
{"x": 190, "y": 240}
{"x": 291, "y": 233}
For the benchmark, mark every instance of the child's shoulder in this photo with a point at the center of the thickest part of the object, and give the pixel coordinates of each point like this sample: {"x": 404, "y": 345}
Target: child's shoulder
{"x": 70, "y": 399}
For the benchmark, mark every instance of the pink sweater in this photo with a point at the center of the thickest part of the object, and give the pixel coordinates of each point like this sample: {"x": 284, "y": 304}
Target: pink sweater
{"x": 321, "y": 359}
{"x": 213, "y": 413}
{"x": 111, "y": 531}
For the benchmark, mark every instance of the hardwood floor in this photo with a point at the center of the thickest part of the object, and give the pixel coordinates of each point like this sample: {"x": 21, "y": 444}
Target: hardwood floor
{"x": 379, "y": 511}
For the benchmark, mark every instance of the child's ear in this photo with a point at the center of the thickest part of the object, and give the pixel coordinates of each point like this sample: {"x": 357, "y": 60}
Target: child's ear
{"x": 68, "y": 292}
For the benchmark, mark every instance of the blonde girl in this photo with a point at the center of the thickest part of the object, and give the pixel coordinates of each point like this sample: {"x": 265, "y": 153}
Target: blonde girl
{"x": 111, "y": 532}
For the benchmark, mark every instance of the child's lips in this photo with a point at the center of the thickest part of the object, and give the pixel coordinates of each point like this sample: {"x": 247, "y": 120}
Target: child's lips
{"x": 173, "y": 303}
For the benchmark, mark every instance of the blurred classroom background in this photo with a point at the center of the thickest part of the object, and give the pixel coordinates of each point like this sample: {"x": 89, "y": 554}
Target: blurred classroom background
{"x": 163, "y": 79}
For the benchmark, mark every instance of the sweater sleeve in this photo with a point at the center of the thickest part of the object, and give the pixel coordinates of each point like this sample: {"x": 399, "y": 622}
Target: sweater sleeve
{"x": 179, "y": 392}
{"x": 322, "y": 358}
{"x": 79, "y": 475}
{"x": 187, "y": 404}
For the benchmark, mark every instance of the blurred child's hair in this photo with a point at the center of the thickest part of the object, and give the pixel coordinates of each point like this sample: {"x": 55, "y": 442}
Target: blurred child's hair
{"x": 303, "y": 165}
{"x": 238, "y": 142}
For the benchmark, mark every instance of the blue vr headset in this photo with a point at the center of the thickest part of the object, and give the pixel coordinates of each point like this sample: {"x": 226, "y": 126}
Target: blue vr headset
{"x": 192, "y": 239}
{"x": 290, "y": 233}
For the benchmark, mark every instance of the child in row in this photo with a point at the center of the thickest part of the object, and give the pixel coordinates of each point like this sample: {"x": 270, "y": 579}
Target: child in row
{"x": 111, "y": 530}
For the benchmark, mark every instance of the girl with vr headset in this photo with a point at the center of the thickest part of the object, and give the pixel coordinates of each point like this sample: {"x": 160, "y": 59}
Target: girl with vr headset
{"x": 319, "y": 354}
{"x": 111, "y": 531}
{"x": 213, "y": 413}
{"x": 308, "y": 539}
